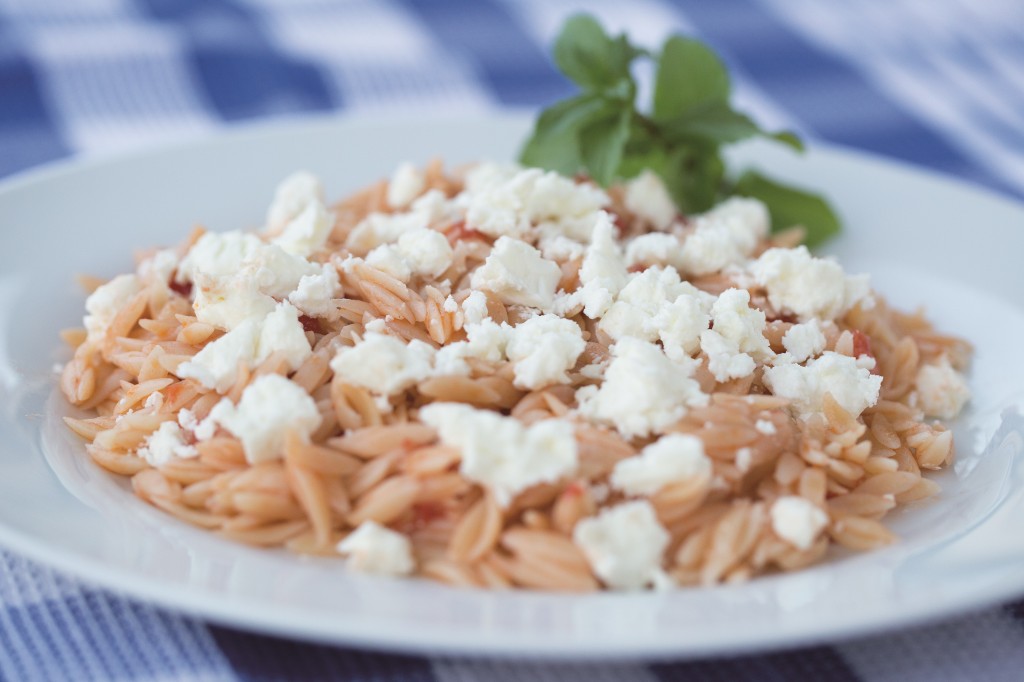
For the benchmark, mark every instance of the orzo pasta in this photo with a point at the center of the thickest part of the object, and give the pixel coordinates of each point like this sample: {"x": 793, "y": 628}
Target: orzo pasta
{"x": 501, "y": 377}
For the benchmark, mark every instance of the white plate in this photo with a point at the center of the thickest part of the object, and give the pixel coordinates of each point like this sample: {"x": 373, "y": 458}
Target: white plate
{"x": 926, "y": 240}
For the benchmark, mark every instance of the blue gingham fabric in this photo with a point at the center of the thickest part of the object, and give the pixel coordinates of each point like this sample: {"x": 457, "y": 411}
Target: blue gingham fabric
{"x": 939, "y": 83}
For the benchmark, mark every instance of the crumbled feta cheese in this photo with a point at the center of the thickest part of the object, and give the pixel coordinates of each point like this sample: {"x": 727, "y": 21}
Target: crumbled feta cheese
{"x": 166, "y": 443}
{"x": 270, "y": 407}
{"x": 806, "y": 286}
{"x": 744, "y": 457}
{"x": 200, "y": 430}
{"x": 603, "y": 272}
{"x": 407, "y": 183}
{"x": 852, "y": 387}
{"x": 650, "y": 303}
{"x": 504, "y": 201}
{"x": 384, "y": 364}
{"x": 670, "y": 459}
{"x": 648, "y": 199}
{"x": 387, "y": 259}
{"x": 941, "y": 390}
{"x": 250, "y": 343}
{"x": 236, "y": 254}
{"x": 624, "y": 545}
{"x": 558, "y": 247}
{"x": 226, "y": 302}
{"x": 153, "y": 401}
{"x": 159, "y": 267}
{"x": 726, "y": 235}
{"x": 655, "y": 248}
{"x": 804, "y": 341}
{"x": 292, "y": 196}
{"x": 736, "y": 341}
{"x": 517, "y": 273}
{"x": 450, "y": 305}
{"x": 500, "y": 452}
{"x": 384, "y": 228}
{"x": 315, "y": 294}
{"x": 866, "y": 361}
{"x": 543, "y": 349}
{"x": 378, "y": 550}
{"x": 643, "y": 390}
{"x": 106, "y": 302}
{"x": 419, "y": 251}
{"x": 307, "y": 232}
{"x": 426, "y": 251}
{"x": 681, "y": 323}
{"x": 797, "y": 521}
{"x": 474, "y": 308}
{"x": 766, "y": 427}
{"x": 486, "y": 340}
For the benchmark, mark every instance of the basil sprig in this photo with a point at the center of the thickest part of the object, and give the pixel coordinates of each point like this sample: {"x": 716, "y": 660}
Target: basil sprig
{"x": 602, "y": 132}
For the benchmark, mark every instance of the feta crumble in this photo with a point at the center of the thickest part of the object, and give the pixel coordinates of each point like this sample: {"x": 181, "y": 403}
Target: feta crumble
{"x": 806, "y": 286}
{"x": 419, "y": 251}
{"x": 624, "y": 545}
{"x": 509, "y": 201}
{"x": 655, "y": 248}
{"x": 670, "y": 459}
{"x": 235, "y": 254}
{"x": 797, "y": 521}
{"x": 378, "y": 550}
{"x": 501, "y": 453}
{"x": 430, "y": 209}
{"x": 106, "y": 301}
{"x": 648, "y": 199}
{"x": 643, "y": 390}
{"x": 407, "y": 183}
{"x": 307, "y": 232}
{"x": 726, "y": 235}
{"x": 165, "y": 444}
{"x": 735, "y": 343}
{"x": 270, "y": 407}
{"x": 226, "y": 302}
{"x": 250, "y": 343}
{"x": 656, "y": 304}
{"x": 853, "y": 387}
{"x": 292, "y": 196}
{"x": 159, "y": 267}
{"x": 516, "y": 272}
{"x": 315, "y": 294}
{"x": 603, "y": 272}
{"x": 941, "y": 390}
{"x": 384, "y": 364}
{"x": 803, "y": 341}
{"x": 543, "y": 349}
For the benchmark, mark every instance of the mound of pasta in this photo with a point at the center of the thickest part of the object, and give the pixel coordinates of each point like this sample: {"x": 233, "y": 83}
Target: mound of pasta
{"x": 503, "y": 377}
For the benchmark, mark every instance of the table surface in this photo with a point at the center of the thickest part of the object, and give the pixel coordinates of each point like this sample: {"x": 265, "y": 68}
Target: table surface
{"x": 936, "y": 83}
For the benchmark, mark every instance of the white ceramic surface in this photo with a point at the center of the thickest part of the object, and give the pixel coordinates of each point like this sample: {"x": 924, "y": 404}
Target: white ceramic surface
{"x": 926, "y": 240}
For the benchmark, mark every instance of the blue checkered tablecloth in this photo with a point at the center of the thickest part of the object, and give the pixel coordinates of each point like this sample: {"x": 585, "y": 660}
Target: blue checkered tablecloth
{"x": 939, "y": 83}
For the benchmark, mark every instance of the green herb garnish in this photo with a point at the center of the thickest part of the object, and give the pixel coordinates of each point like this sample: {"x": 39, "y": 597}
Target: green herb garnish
{"x": 601, "y": 131}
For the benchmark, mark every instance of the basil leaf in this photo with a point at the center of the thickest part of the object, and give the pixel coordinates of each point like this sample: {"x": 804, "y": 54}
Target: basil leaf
{"x": 603, "y": 143}
{"x": 713, "y": 122}
{"x": 643, "y": 151}
{"x": 555, "y": 143}
{"x": 790, "y": 206}
{"x": 789, "y": 139}
{"x": 587, "y": 55}
{"x": 603, "y": 132}
{"x": 689, "y": 74}
{"x": 694, "y": 177}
